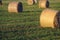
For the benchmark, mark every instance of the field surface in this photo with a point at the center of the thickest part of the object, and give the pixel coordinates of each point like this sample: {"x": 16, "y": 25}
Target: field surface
{"x": 26, "y": 25}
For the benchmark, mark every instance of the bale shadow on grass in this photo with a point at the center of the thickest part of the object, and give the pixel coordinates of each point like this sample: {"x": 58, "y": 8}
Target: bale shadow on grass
{"x": 30, "y": 11}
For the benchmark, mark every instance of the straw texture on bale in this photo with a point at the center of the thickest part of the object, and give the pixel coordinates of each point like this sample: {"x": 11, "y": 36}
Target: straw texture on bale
{"x": 43, "y": 4}
{"x": 50, "y": 18}
{"x": 15, "y": 7}
{"x": 31, "y": 2}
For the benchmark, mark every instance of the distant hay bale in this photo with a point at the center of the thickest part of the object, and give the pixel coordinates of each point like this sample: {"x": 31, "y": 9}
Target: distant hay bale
{"x": 35, "y": 1}
{"x": 43, "y": 4}
{"x": 15, "y": 7}
{"x": 0, "y": 2}
{"x": 50, "y": 18}
{"x": 31, "y": 2}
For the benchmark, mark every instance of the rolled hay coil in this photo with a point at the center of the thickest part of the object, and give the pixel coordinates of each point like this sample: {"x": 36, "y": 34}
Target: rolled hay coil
{"x": 50, "y": 18}
{"x": 15, "y": 7}
{"x": 31, "y": 2}
{"x": 43, "y": 4}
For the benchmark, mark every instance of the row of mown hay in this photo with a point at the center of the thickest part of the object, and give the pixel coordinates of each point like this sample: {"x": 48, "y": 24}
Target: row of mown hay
{"x": 50, "y": 18}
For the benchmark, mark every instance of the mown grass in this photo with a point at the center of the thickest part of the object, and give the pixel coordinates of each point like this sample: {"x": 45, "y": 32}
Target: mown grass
{"x": 25, "y": 25}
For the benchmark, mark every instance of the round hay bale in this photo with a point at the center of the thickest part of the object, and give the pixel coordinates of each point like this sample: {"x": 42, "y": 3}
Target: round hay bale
{"x": 15, "y": 7}
{"x": 35, "y": 1}
{"x": 31, "y": 2}
{"x": 43, "y": 4}
{"x": 50, "y": 18}
{"x": 0, "y": 2}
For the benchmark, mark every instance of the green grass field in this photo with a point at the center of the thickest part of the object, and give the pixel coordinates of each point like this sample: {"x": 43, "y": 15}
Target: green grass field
{"x": 25, "y": 25}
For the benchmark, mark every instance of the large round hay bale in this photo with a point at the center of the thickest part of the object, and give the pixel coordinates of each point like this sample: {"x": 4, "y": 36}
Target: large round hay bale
{"x": 50, "y": 18}
{"x": 15, "y": 7}
{"x": 43, "y": 4}
{"x": 31, "y": 2}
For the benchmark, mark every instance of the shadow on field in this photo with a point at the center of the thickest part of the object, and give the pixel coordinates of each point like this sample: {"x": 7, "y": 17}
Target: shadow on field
{"x": 30, "y": 11}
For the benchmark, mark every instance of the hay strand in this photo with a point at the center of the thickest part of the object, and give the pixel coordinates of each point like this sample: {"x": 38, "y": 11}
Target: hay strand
{"x": 15, "y": 7}
{"x": 49, "y": 18}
